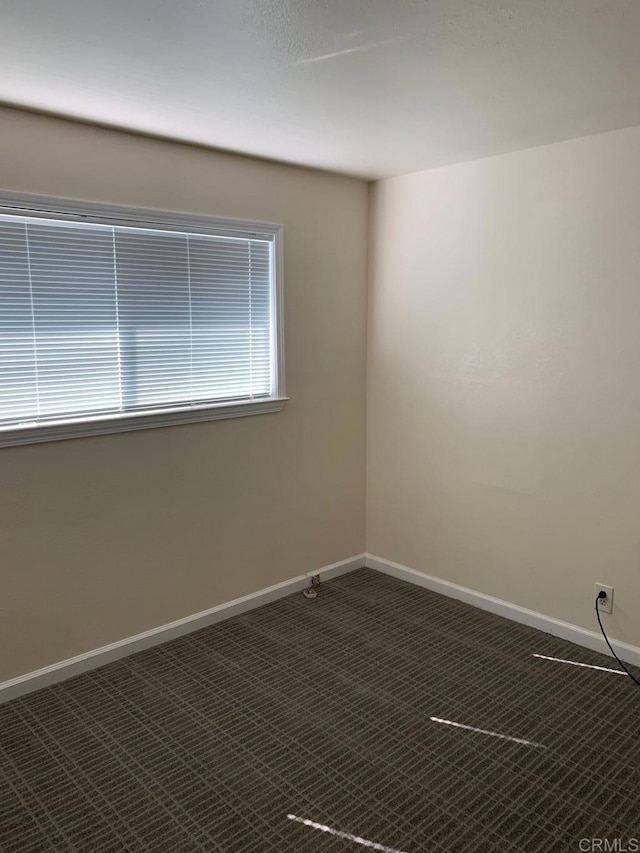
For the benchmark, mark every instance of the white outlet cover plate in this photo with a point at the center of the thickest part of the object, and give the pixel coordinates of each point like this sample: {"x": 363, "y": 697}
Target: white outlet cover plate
{"x": 605, "y": 606}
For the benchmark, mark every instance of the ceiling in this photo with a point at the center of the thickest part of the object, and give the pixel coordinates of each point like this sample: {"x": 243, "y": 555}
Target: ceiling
{"x": 366, "y": 87}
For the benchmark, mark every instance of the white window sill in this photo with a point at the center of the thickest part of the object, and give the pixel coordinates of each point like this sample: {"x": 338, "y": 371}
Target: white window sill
{"x": 58, "y": 430}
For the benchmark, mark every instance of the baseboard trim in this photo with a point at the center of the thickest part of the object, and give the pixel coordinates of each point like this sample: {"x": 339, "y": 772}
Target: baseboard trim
{"x": 95, "y": 658}
{"x": 57, "y": 672}
{"x": 564, "y": 630}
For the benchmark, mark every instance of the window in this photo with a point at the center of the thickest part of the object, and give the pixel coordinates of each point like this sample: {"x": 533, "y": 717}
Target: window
{"x": 115, "y": 318}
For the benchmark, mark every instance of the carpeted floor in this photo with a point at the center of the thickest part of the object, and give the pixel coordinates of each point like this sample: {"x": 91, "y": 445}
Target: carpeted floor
{"x": 322, "y": 710}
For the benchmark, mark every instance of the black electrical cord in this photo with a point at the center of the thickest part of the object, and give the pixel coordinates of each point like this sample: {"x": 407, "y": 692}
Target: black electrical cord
{"x": 630, "y": 674}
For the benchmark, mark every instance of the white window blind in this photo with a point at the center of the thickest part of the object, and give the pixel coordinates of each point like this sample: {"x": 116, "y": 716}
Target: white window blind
{"x": 103, "y": 321}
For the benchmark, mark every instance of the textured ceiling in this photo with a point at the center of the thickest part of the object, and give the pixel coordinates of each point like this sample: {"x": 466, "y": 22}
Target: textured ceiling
{"x": 367, "y": 87}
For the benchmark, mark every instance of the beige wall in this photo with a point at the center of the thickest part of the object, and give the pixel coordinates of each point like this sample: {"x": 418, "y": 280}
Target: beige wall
{"x": 503, "y": 425}
{"x": 104, "y": 537}
{"x": 504, "y": 376}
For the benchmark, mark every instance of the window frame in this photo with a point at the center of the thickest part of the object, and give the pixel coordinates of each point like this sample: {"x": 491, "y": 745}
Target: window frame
{"x": 69, "y": 210}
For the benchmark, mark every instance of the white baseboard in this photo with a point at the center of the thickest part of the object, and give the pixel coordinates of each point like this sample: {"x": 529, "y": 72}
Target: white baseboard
{"x": 57, "y": 672}
{"x": 565, "y": 630}
{"x": 48, "y": 675}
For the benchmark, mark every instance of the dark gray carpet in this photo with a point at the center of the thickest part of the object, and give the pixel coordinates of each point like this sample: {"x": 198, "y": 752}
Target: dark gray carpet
{"x": 322, "y": 710}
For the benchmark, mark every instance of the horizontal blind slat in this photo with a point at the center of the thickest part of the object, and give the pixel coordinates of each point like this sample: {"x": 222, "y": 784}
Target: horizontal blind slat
{"x": 101, "y": 319}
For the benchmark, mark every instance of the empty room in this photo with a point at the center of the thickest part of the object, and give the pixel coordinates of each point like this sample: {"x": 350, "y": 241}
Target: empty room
{"x": 319, "y": 426}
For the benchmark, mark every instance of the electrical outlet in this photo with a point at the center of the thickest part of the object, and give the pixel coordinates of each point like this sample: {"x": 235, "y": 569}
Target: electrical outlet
{"x": 605, "y": 605}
